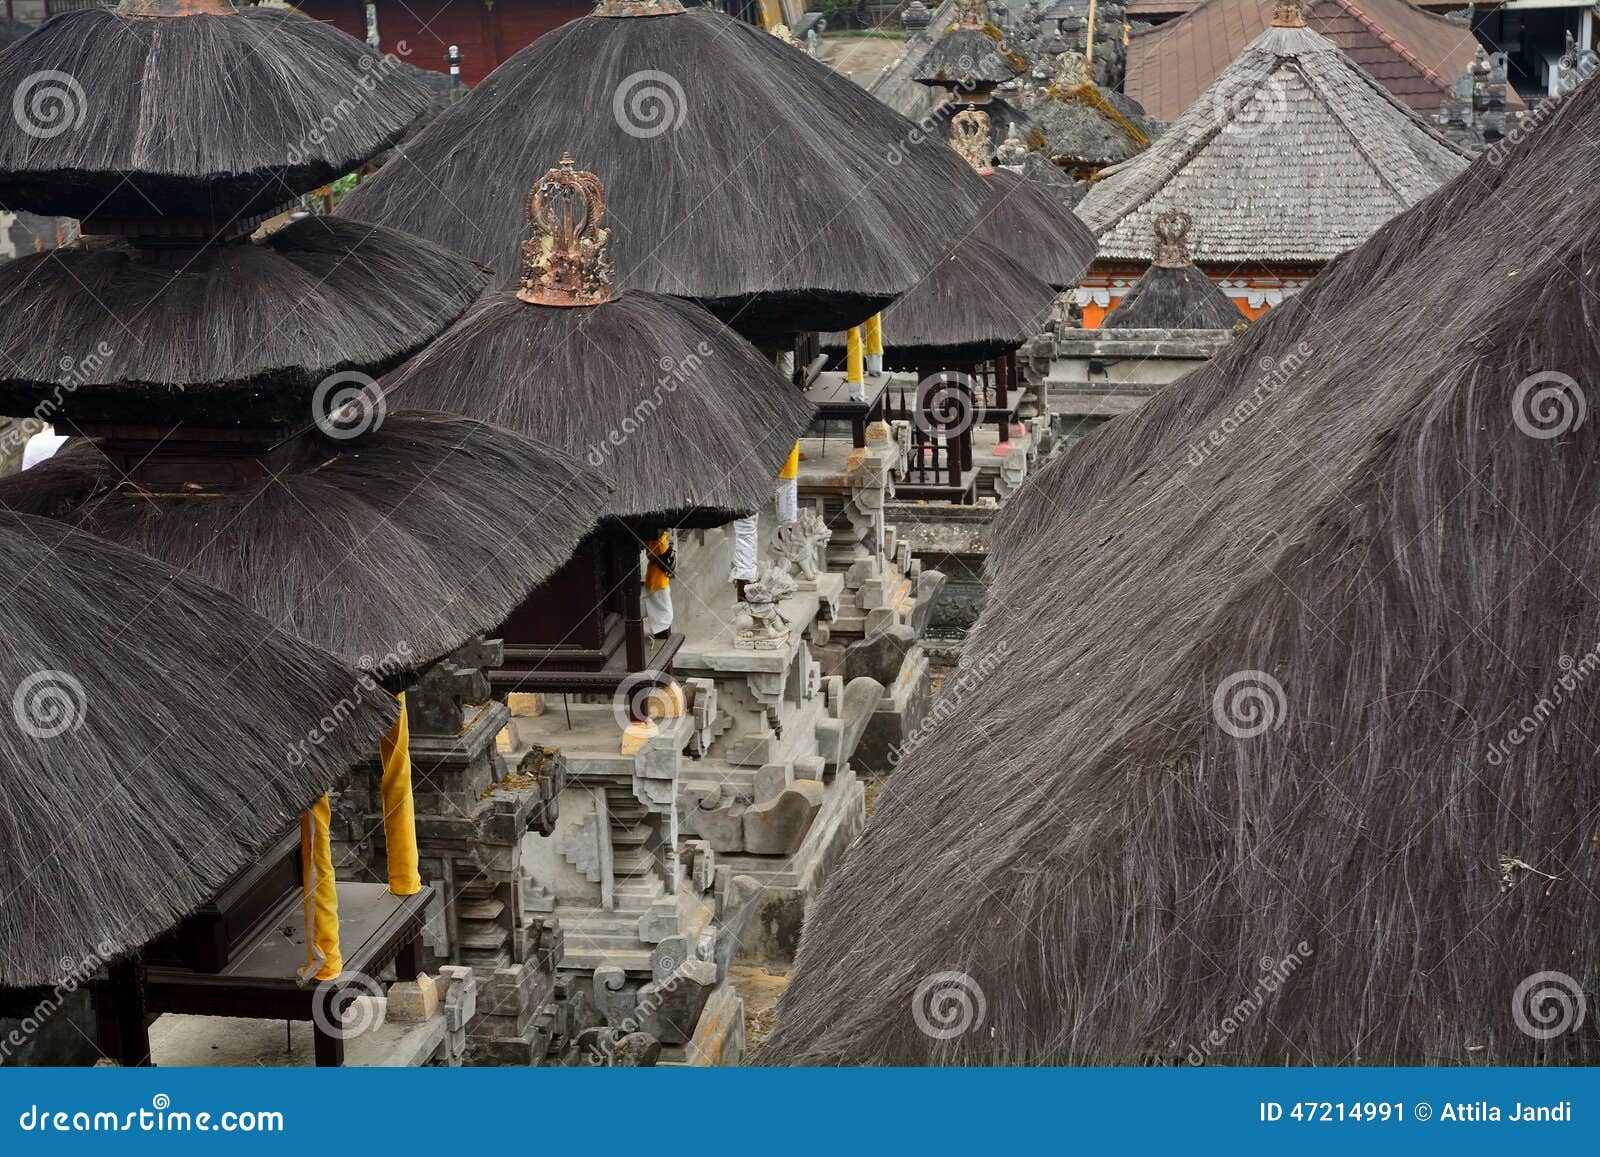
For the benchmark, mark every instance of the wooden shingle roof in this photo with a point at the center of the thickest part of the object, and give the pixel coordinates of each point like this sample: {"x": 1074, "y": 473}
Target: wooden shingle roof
{"x": 1414, "y": 54}
{"x": 1292, "y": 155}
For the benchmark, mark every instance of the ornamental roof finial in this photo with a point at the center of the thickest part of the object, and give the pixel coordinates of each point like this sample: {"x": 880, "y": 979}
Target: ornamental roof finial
{"x": 1288, "y": 14}
{"x": 638, "y": 8}
{"x": 970, "y": 14}
{"x": 1172, "y": 239}
{"x": 564, "y": 257}
{"x": 969, "y": 136}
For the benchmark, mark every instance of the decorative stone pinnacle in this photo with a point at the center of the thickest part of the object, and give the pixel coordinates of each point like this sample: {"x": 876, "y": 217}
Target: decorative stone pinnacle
{"x": 1011, "y": 152}
{"x": 969, "y": 136}
{"x": 638, "y": 8}
{"x": 1072, "y": 69}
{"x": 564, "y": 257}
{"x": 970, "y": 14}
{"x": 785, "y": 34}
{"x": 152, "y": 8}
{"x": 1172, "y": 239}
{"x": 1288, "y": 14}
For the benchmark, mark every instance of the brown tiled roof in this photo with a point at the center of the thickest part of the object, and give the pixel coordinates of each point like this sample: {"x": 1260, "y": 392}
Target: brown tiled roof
{"x": 1414, "y": 54}
{"x": 1292, "y": 155}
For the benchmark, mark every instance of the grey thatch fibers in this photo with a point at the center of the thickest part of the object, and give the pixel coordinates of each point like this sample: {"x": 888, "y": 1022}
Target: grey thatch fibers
{"x": 1026, "y": 223}
{"x": 192, "y": 115}
{"x": 668, "y": 404}
{"x": 1280, "y": 745}
{"x": 155, "y": 736}
{"x": 240, "y": 333}
{"x": 1168, "y": 297}
{"x": 397, "y": 545}
{"x": 739, "y": 171}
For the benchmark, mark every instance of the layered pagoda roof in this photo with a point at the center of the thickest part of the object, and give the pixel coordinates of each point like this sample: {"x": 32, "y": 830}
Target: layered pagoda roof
{"x": 1415, "y": 55}
{"x": 1293, "y": 155}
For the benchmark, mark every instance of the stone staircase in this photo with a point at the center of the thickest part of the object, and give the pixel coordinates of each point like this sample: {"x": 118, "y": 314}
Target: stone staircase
{"x": 644, "y": 912}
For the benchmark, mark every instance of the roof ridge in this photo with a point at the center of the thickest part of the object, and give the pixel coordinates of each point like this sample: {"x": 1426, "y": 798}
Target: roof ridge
{"x": 1388, "y": 39}
{"x": 1329, "y": 101}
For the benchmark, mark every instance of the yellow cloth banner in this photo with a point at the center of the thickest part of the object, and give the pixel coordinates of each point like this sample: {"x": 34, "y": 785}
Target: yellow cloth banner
{"x": 655, "y": 577}
{"x": 791, "y": 464}
{"x": 872, "y": 335}
{"x": 855, "y": 369}
{"x": 319, "y": 895}
{"x": 399, "y": 809}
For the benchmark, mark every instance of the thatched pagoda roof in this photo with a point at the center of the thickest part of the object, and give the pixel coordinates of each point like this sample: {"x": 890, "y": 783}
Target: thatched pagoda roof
{"x": 1025, "y": 222}
{"x": 996, "y": 285}
{"x": 157, "y": 736}
{"x": 1313, "y": 727}
{"x": 743, "y": 174}
{"x": 1172, "y": 293}
{"x": 1293, "y": 155}
{"x": 969, "y": 57}
{"x": 210, "y": 115}
{"x": 976, "y": 304}
{"x": 239, "y": 332}
{"x": 1086, "y": 124}
{"x": 403, "y": 542}
{"x": 670, "y": 406}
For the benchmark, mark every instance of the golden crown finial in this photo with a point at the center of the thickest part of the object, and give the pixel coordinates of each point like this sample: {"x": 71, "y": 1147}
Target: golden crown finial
{"x": 564, "y": 257}
{"x": 969, "y": 136}
{"x": 1288, "y": 14}
{"x": 1172, "y": 239}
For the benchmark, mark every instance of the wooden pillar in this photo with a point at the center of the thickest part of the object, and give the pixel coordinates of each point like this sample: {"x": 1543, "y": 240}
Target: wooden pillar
{"x": 1002, "y": 388}
{"x": 632, "y": 600}
{"x": 119, "y": 1011}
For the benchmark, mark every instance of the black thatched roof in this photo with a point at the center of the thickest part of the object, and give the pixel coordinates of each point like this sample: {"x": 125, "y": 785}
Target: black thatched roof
{"x": 1387, "y": 534}
{"x": 1168, "y": 297}
{"x": 1085, "y": 124}
{"x": 669, "y": 405}
{"x": 1022, "y": 220}
{"x": 767, "y": 190}
{"x": 405, "y": 541}
{"x": 156, "y": 738}
{"x": 969, "y": 56}
{"x": 976, "y": 304}
{"x": 204, "y": 115}
{"x": 238, "y": 333}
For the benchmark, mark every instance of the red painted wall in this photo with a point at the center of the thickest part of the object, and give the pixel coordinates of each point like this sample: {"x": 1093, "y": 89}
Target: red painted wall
{"x": 422, "y": 31}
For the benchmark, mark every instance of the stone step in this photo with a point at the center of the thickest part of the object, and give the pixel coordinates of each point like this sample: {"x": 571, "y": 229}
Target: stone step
{"x": 629, "y": 837}
{"x": 486, "y": 909}
{"x": 483, "y": 937}
{"x": 632, "y": 862}
{"x": 587, "y": 960}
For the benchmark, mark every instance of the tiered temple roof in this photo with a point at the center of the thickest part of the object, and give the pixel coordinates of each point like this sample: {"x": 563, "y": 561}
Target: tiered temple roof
{"x": 1293, "y": 155}
{"x": 1414, "y": 54}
